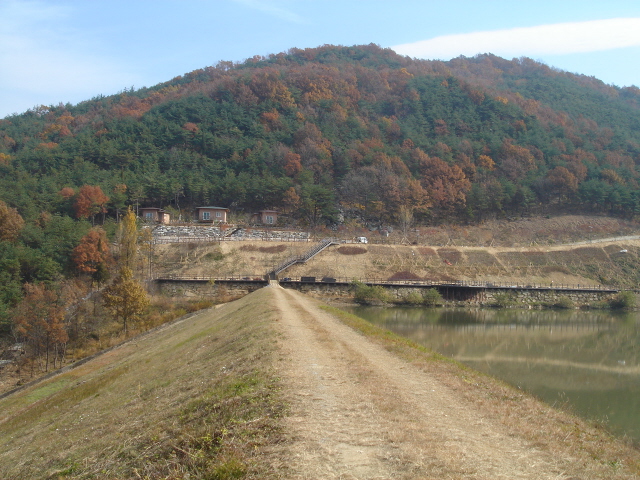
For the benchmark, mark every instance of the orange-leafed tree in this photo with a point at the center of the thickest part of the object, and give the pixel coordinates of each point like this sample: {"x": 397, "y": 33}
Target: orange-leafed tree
{"x": 90, "y": 201}
{"x": 11, "y": 222}
{"x": 291, "y": 200}
{"x": 515, "y": 160}
{"x": 446, "y": 184}
{"x": 292, "y": 165}
{"x": 39, "y": 321}
{"x": 67, "y": 192}
{"x": 562, "y": 182}
{"x": 92, "y": 254}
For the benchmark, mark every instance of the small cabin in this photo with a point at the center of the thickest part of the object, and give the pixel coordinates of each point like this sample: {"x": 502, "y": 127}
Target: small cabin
{"x": 155, "y": 215}
{"x": 265, "y": 217}
{"x": 212, "y": 214}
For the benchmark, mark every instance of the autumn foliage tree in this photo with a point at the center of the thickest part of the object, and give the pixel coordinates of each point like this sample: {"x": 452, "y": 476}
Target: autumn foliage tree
{"x": 447, "y": 185}
{"x": 90, "y": 201}
{"x": 126, "y": 298}
{"x": 11, "y": 222}
{"x": 39, "y": 321}
{"x": 92, "y": 254}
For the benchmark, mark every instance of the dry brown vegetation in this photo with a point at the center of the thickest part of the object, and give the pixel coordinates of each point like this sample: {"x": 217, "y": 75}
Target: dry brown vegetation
{"x": 268, "y": 249}
{"x": 194, "y": 399}
{"x": 404, "y": 276}
{"x": 350, "y": 250}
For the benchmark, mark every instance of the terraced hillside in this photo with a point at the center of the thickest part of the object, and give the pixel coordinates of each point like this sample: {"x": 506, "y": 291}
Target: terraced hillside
{"x": 605, "y": 261}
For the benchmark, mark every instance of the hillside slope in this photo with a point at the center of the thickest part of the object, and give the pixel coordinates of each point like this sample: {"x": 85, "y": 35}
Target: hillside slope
{"x": 339, "y": 132}
{"x": 272, "y": 386}
{"x": 530, "y": 251}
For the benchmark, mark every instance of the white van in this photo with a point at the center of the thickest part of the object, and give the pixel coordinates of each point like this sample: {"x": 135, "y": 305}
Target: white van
{"x": 361, "y": 240}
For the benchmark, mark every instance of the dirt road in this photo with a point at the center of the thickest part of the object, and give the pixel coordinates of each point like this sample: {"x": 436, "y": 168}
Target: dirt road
{"x": 358, "y": 412}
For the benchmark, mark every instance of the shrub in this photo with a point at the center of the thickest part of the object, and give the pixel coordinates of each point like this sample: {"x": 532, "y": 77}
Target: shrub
{"x": 564, "y": 302}
{"x": 432, "y": 297}
{"x": 413, "y": 298}
{"x": 268, "y": 249}
{"x": 502, "y": 300}
{"x": 214, "y": 256}
{"x": 370, "y": 295}
{"x": 623, "y": 301}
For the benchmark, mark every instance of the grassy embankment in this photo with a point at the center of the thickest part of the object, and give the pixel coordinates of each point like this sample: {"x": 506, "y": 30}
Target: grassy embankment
{"x": 200, "y": 398}
{"x": 197, "y": 397}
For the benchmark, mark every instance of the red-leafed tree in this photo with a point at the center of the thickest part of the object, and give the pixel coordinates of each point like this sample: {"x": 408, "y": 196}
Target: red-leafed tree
{"x": 447, "y": 185}
{"x": 560, "y": 184}
{"x": 292, "y": 165}
{"x": 90, "y": 201}
{"x": 92, "y": 253}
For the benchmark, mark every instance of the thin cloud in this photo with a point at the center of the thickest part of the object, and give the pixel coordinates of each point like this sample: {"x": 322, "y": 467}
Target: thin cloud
{"x": 554, "y": 39}
{"x": 43, "y": 57}
{"x": 273, "y": 8}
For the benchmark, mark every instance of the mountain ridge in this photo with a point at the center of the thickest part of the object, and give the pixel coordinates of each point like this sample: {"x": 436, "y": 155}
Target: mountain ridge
{"x": 355, "y": 131}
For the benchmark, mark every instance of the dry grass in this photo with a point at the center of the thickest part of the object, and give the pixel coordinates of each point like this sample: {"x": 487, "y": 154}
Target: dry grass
{"x": 404, "y": 276}
{"x": 195, "y": 399}
{"x": 450, "y": 255}
{"x": 269, "y": 249}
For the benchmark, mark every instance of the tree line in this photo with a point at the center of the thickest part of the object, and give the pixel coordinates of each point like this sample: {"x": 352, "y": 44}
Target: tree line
{"x": 331, "y": 135}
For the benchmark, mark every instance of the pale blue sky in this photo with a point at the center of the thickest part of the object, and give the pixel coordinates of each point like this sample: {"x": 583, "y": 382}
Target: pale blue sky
{"x": 55, "y": 51}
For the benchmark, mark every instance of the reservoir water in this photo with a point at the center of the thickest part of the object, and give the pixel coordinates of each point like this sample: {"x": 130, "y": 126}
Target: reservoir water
{"x": 584, "y": 360}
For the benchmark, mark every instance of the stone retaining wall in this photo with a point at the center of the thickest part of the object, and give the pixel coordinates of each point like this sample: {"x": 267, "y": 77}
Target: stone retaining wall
{"x": 236, "y": 289}
{"x": 172, "y": 288}
{"x": 479, "y": 296}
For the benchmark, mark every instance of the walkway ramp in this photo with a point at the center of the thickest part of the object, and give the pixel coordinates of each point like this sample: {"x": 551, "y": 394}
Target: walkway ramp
{"x": 312, "y": 252}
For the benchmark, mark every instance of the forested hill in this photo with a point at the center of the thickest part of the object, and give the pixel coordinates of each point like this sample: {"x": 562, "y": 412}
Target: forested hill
{"x": 337, "y": 132}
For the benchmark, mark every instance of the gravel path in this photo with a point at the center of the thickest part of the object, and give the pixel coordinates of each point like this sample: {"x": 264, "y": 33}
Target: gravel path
{"x": 359, "y": 412}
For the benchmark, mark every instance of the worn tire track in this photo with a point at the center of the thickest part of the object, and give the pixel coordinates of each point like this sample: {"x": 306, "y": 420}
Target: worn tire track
{"x": 359, "y": 412}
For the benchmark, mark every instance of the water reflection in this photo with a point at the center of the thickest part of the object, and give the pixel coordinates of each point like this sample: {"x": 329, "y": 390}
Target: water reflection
{"x": 588, "y": 359}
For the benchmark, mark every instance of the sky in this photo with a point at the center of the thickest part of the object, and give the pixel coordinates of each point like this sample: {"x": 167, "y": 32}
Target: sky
{"x": 54, "y": 51}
